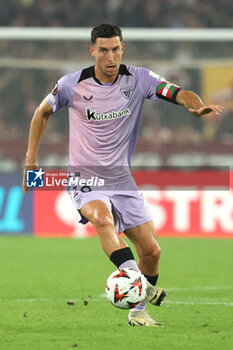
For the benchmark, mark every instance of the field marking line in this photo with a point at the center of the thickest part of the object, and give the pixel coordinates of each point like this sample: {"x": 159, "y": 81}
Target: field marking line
{"x": 195, "y": 302}
{"x": 192, "y": 301}
{"x": 102, "y": 297}
{"x": 167, "y": 301}
{"x": 184, "y": 289}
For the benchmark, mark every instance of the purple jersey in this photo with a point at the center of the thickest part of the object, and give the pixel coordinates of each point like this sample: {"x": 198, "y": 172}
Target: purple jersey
{"x": 105, "y": 118}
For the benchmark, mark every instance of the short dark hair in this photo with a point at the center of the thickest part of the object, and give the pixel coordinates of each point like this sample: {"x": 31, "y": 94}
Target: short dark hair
{"x": 105, "y": 30}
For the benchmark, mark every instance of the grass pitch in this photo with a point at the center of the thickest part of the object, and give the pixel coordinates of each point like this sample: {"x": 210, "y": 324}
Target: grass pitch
{"x": 51, "y": 297}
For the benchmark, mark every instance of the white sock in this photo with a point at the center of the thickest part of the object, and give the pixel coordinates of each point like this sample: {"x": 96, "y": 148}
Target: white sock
{"x": 140, "y": 307}
{"x": 131, "y": 264}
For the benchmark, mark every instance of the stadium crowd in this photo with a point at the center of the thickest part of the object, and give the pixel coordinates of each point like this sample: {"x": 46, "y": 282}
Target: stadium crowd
{"x": 130, "y": 13}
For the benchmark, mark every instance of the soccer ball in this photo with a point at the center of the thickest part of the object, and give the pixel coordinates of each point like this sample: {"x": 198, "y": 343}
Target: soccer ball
{"x": 126, "y": 288}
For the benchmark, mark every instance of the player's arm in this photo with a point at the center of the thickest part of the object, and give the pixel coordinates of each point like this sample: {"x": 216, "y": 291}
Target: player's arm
{"x": 37, "y": 128}
{"x": 194, "y": 104}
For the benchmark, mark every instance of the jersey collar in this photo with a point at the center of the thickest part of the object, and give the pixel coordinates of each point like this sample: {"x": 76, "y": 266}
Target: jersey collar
{"x": 122, "y": 71}
{"x": 90, "y": 73}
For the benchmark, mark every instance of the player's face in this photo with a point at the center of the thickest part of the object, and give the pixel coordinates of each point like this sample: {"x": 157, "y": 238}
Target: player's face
{"x": 108, "y": 55}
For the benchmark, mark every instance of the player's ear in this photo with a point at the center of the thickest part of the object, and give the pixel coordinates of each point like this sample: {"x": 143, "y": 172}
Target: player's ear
{"x": 92, "y": 50}
{"x": 122, "y": 47}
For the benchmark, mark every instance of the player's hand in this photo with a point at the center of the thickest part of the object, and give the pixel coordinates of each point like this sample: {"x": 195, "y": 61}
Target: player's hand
{"x": 31, "y": 166}
{"x": 206, "y": 109}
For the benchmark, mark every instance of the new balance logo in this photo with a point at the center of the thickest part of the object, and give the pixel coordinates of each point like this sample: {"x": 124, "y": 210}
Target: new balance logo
{"x": 92, "y": 115}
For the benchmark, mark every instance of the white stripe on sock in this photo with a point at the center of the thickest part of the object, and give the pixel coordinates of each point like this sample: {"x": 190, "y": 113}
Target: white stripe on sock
{"x": 129, "y": 264}
{"x": 140, "y": 307}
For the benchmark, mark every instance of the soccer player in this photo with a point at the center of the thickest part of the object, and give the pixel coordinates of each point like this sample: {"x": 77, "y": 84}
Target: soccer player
{"x": 105, "y": 110}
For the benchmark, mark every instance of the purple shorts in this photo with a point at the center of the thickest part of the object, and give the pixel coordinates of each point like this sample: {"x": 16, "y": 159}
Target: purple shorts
{"x": 127, "y": 206}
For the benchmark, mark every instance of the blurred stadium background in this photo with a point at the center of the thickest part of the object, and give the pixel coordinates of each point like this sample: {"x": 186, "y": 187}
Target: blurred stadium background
{"x": 187, "y": 41}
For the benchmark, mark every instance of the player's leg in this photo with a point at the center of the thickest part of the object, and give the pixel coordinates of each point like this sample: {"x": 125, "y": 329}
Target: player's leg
{"x": 98, "y": 213}
{"x": 144, "y": 239}
{"x": 136, "y": 222}
{"x": 95, "y": 206}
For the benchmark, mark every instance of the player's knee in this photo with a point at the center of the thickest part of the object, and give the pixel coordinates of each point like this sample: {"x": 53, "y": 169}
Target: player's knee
{"x": 151, "y": 255}
{"x": 157, "y": 252}
{"x": 101, "y": 220}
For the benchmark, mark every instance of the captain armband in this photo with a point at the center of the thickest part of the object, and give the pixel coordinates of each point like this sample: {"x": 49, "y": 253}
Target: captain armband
{"x": 167, "y": 91}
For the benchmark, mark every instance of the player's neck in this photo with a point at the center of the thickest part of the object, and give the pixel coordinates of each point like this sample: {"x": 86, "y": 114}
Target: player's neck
{"x": 103, "y": 78}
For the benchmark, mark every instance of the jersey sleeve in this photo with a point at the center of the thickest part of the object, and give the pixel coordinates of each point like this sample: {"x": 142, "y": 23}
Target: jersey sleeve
{"x": 156, "y": 87}
{"x": 63, "y": 92}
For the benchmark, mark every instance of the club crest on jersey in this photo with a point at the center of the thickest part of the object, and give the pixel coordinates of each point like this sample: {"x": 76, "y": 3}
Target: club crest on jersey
{"x": 127, "y": 92}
